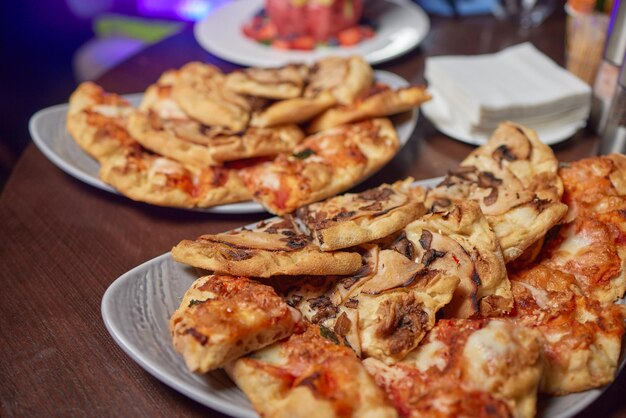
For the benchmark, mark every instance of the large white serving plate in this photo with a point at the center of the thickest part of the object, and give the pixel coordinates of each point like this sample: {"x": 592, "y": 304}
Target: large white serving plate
{"x": 47, "y": 128}
{"x": 401, "y": 26}
{"x": 136, "y": 309}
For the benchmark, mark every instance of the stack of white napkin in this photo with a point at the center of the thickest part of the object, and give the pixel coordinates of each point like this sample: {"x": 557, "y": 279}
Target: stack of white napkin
{"x": 519, "y": 84}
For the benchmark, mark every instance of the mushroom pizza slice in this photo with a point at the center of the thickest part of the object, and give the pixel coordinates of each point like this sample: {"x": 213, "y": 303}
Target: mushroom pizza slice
{"x": 383, "y": 311}
{"x": 514, "y": 179}
{"x": 460, "y": 242}
{"x": 273, "y": 248}
{"x": 356, "y": 218}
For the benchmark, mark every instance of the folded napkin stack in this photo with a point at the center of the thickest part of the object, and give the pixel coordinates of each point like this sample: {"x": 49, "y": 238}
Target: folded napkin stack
{"x": 519, "y": 84}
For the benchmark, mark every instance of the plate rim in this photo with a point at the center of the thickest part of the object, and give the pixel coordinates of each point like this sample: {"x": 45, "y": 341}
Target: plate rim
{"x": 118, "y": 336}
{"x": 216, "y": 49}
{"x": 249, "y": 207}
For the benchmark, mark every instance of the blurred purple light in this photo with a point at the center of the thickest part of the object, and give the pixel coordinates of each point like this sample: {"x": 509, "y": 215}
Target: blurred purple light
{"x": 179, "y": 9}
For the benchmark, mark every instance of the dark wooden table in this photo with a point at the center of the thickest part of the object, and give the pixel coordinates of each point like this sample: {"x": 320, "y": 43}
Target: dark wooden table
{"x": 64, "y": 242}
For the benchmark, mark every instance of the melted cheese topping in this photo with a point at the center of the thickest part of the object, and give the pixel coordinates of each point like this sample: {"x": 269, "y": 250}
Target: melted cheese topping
{"x": 487, "y": 351}
{"x": 431, "y": 354}
{"x": 165, "y": 166}
{"x": 112, "y": 111}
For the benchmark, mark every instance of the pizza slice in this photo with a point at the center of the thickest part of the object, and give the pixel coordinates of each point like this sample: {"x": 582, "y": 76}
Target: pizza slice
{"x": 158, "y": 98}
{"x": 460, "y": 242}
{"x": 383, "y": 311}
{"x": 97, "y": 120}
{"x": 285, "y": 82}
{"x": 267, "y": 113}
{"x": 514, "y": 179}
{"x": 586, "y": 249}
{"x": 322, "y": 165}
{"x": 344, "y": 77}
{"x": 378, "y": 101}
{"x": 273, "y": 248}
{"x": 594, "y": 186}
{"x": 466, "y": 368}
{"x": 192, "y": 143}
{"x": 309, "y": 374}
{"x": 356, "y": 218}
{"x": 582, "y": 337}
{"x": 222, "y": 318}
{"x": 146, "y": 177}
{"x": 201, "y": 93}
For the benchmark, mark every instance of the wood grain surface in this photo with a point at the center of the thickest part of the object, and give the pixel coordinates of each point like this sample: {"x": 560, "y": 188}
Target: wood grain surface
{"x": 64, "y": 242}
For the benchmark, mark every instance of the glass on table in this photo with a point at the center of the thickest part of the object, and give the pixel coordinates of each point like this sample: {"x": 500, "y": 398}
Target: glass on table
{"x": 525, "y": 13}
{"x": 585, "y": 36}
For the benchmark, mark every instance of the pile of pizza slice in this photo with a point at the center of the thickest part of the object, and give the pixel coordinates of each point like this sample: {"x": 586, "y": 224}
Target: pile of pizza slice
{"x": 467, "y": 299}
{"x": 202, "y": 138}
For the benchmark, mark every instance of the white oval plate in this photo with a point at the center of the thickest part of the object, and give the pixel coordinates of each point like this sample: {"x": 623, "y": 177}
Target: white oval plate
{"x": 437, "y": 111}
{"x": 136, "y": 309}
{"x": 47, "y": 128}
{"x": 402, "y": 25}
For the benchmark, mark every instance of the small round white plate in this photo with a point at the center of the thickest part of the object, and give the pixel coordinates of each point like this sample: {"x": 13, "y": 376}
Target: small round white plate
{"x": 47, "y": 128}
{"x": 401, "y": 26}
{"x": 438, "y": 112}
{"x": 136, "y": 309}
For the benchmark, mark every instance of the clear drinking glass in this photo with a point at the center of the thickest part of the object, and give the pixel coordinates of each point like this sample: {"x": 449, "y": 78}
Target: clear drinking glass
{"x": 525, "y": 13}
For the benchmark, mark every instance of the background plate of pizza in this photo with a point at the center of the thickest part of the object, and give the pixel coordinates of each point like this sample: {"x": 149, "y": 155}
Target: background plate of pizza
{"x": 48, "y": 130}
{"x": 136, "y": 309}
{"x": 398, "y": 27}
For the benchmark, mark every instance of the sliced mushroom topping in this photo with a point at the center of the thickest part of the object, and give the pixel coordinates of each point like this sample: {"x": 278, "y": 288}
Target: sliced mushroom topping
{"x": 293, "y": 300}
{"x": 324, "y": 308}
{"x": 274, "y": 236}
{"x": 487, "y": 179}
{"x": 237, "y": 254}
{"x": 394, "y": 270}
{"x": 378, "y": 194}
{"x": 403, "y": 320}
{"x": 514, "y": 138}
{"x": 492, "y": 197}
{"x": 430, "y": 256}
{"x": 342, "y": 325}
{"x": 426, "y": 239}
{"x": 351, "y": 303}
{"x": 402, "y": 245}
{"x": 503, "y": 153}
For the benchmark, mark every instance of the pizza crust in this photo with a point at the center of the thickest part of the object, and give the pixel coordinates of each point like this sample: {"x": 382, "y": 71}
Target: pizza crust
{"x": 272, "y": 83}
{"x": 296, "y": 110}
{"x": 345, "y": 78}
{"x": 97, "y": 120}
{"x": 148, "y": 178}
{"x": 201, "y": 93}
{"x": 384, "y": 103}
{"x": 276, "y": 248}
{"x": 145, "y": 177}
